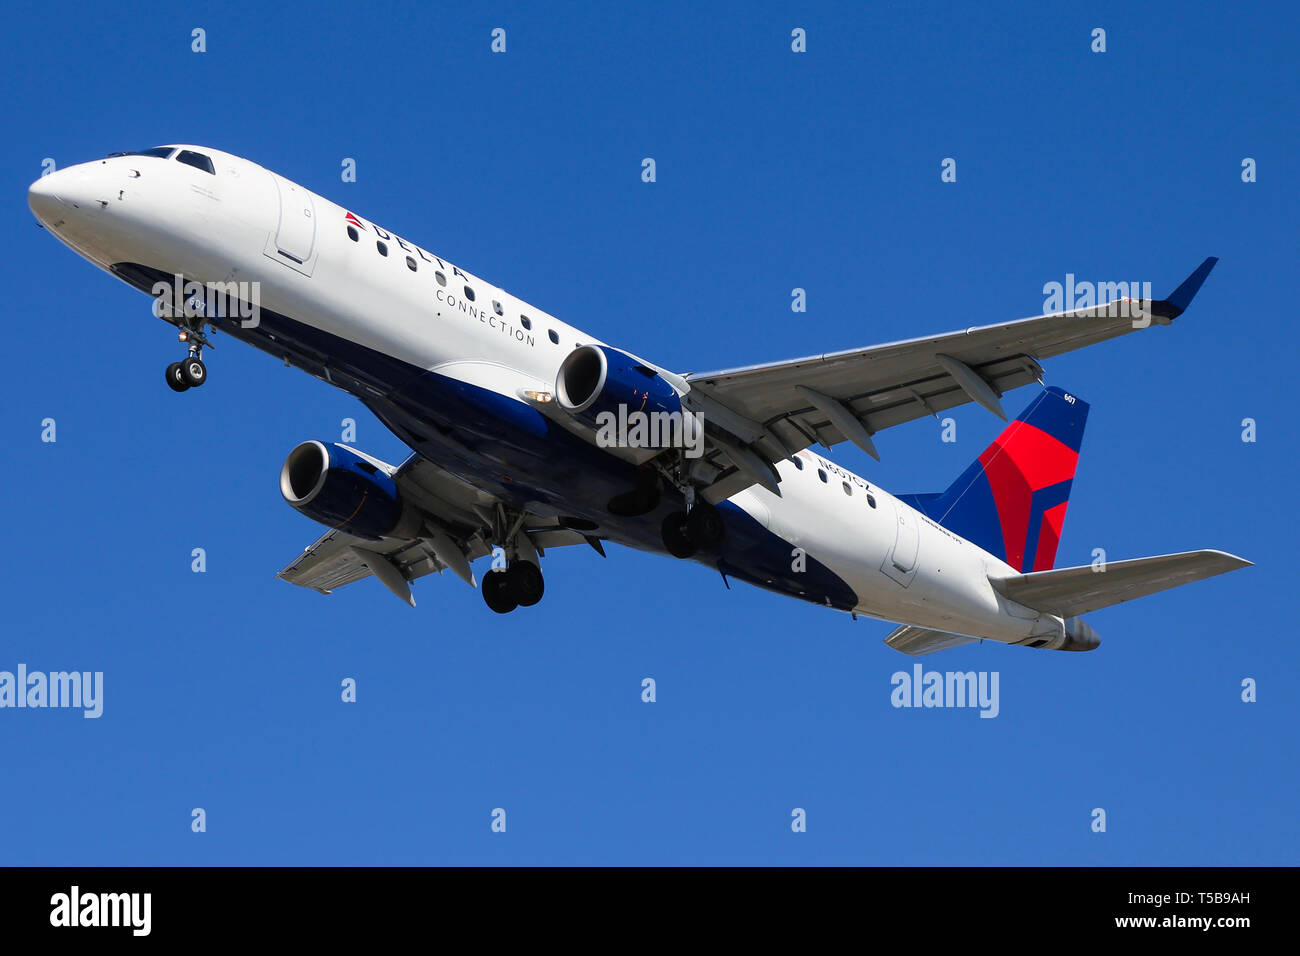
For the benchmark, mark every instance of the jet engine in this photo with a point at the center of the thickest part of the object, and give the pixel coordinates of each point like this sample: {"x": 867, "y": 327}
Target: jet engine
{"x": 596, "y": 379}
{"x": 336, "y": 486}
{"x": 1068, "y": 634}
{"x": 1079, "y": 636}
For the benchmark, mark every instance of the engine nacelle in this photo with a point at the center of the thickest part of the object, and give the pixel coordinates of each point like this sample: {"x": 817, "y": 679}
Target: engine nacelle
{"x": 596, "y": 379}
{"x": 1063, "y": 634}
{"x": 334, "y": 485}
{"x": 1079, "y": 636}
{"x": 1052, "y": 632}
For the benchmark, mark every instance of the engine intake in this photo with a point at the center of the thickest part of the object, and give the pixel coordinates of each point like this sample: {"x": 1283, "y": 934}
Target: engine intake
{"x": 595, "y": 379}
{"x": 334, "y": 485}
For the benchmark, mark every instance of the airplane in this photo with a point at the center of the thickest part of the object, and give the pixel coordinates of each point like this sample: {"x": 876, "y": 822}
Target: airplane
{"x": 508, "y": 413}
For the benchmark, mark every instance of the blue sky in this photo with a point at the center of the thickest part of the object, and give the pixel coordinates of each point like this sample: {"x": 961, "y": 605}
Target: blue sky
{"x": 775, "y": 170}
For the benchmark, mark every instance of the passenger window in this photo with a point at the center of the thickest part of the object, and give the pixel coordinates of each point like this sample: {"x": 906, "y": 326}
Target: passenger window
{"x": 871, "y": 499}
{"x": 410, "y": 263}
{"x": 847, "y": 490}
{"x": 496, "y": 307}
{"x": 197, "y": 160}
{"x": 822, "y": 475}
{"x": 442, "y": 279}
{"x": 553, "y": 337}
{"x": 797, "y": 463}
{"x": 382, "y": 247}
{"x": 469, "y": 293}
{"x": 525, "y": 321}
{"x": 352, "y": 234}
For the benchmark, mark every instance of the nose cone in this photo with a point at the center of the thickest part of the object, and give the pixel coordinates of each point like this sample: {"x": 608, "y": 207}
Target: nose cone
{"x": 73, "y": 195}
{"x": 43, "y": 199}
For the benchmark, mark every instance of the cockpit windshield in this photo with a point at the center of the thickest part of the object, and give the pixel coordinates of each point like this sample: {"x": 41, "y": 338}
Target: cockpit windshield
{"x": 162, "y": 152}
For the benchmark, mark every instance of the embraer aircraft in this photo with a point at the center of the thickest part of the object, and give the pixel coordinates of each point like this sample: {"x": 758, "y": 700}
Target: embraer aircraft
{"x": 530, "y": 435}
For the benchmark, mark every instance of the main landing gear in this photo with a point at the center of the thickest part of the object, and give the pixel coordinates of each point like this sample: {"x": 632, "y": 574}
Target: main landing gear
{"x": 698, "y": 529}
{"x": 519, "y": 584}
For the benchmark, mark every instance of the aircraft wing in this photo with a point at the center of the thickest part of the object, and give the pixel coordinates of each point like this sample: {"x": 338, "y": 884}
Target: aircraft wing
{"x": 762, "y": 413}
{"x": 336, "y": 559}
{"x": 456, "y": 515}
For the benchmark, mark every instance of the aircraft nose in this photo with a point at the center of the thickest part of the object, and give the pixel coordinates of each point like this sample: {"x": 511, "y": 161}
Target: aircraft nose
{"x": 43, "y": 198}
{"x": 69, "y": 194}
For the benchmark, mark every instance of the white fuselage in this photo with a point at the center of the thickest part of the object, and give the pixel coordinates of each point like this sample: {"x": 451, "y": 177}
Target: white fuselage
{"x": 233, "y": 225}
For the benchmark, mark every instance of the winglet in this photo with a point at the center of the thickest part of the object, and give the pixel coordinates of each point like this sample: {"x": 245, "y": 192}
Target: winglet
{"x": 1181, "y": 298}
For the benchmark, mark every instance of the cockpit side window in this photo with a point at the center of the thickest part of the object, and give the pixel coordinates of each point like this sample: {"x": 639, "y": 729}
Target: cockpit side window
{"x": 197, "y": 160}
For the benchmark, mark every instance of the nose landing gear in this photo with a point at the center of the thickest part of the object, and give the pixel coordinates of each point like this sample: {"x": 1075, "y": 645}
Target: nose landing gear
{"x": 190, "y": 373}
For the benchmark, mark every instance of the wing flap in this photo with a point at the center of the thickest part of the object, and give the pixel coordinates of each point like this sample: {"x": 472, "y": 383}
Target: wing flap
{"x": 1073, "y": 591}
{"x": 326, "y": 571}
{"x": 333, "y": 561}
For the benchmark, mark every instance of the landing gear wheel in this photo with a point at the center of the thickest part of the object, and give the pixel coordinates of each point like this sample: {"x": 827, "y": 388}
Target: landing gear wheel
{"x": 526, "y": 583}
{"x": 677, "y": 542}
{"x": 194, "y": 372}
{"x": 498, "y": 592}
{"x": 704, "y": 526}
{"x": 174, "y": 379}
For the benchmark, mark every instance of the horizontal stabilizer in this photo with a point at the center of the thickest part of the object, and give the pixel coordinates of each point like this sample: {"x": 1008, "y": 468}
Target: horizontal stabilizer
{"x": 918, "y": 641}
{"x": 1073, "y": 591}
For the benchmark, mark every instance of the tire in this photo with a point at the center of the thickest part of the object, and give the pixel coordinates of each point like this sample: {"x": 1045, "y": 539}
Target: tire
{"x": 704, "y": 526}
{"x": 174, "y": 380}
{"x": 194, "y": 372}
{"x": 674, "y": 533}
{"x": 497, "y": 592}
{"x": 526, "y": 583}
